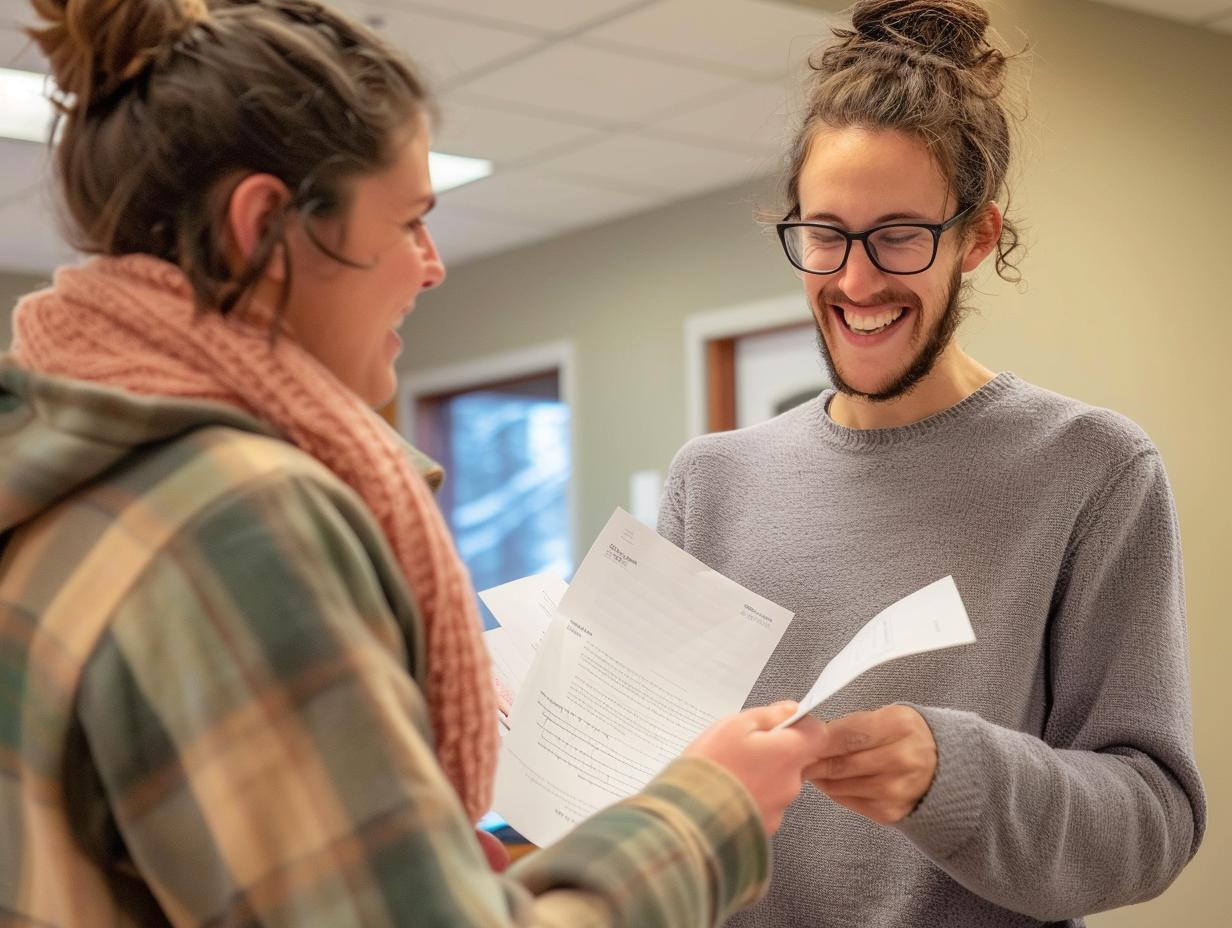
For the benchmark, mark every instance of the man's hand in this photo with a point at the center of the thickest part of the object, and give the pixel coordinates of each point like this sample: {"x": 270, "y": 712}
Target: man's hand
{"x": 879, "y": 764}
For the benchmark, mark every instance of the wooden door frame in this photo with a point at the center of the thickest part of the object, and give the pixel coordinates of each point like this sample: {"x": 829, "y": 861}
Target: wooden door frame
{"x": 710, "y": 355}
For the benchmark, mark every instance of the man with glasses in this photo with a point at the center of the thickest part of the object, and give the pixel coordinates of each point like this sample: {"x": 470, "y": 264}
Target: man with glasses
{"x": 1046, "y": 771}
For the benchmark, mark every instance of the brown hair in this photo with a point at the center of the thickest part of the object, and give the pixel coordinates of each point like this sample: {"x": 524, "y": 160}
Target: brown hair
{"x": 923, "y": 67}
{"x": 165, "y": 103}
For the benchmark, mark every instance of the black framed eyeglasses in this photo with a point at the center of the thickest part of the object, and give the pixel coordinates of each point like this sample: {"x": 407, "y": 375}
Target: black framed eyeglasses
{"x": 896, "y": 248}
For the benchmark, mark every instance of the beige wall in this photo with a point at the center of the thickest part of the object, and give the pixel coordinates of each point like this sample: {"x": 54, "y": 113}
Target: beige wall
{"x": 1125, "y": 194}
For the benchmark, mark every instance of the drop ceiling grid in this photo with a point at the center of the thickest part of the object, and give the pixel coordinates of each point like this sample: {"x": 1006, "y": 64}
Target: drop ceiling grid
{"x": 610, "y": 150}
{"x": 633, "y": 148}
{"x": 655, "y": 84}
{"x": 579, "y": 111}
{"x": 756, "y": 39}
{"x": 546, "y": 17}
{"x": 443, "y": 48}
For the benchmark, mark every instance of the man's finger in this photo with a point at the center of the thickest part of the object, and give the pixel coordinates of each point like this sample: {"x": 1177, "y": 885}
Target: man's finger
{"x": 880, "y": 760}
{"x": 860, "y": 731}
{"x": 867, "y": 788}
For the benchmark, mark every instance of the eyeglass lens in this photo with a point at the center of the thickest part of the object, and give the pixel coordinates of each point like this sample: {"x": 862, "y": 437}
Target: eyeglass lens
{"x": 897, "y": 249}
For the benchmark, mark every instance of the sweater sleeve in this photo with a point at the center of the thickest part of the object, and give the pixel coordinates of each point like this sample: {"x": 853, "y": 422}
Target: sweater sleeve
{"x": 672, "y": 506}
{"x": 1107, "y": 807}
{"x": 263, "y": 757}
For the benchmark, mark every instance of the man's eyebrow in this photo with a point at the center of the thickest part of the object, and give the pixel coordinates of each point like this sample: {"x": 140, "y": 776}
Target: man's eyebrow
{"x": 880, "y": 220}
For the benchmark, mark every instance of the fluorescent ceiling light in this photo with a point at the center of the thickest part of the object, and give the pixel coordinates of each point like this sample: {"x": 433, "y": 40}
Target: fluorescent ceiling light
{"x": 25, "y": 111}
{"x": 449, "y": 171}
{"x": 26, "y": 114}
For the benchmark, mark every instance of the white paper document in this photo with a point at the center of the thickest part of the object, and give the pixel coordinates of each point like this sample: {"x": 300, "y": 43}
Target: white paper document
{"x": 524, "y": 608}
{"x": 647, "y": 648}
{"x": 928, "y": 620}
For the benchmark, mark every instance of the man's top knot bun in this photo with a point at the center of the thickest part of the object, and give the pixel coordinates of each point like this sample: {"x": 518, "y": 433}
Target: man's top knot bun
{"x": 949, "y": 29}
{"x": 97, "y": 46}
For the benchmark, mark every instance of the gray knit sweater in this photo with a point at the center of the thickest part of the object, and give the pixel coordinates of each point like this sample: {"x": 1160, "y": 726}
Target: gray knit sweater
{"x": 1066, "y": 781}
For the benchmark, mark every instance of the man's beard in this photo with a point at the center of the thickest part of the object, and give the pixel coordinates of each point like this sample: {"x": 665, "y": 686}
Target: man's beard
{"x": 918, "y": 369}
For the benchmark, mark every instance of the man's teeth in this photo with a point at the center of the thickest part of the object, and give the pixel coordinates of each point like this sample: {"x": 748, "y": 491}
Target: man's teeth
{"x": 867, "y": 324}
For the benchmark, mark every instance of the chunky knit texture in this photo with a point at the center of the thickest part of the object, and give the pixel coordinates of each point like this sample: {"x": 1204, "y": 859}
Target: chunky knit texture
{"x": 130, "y": 323}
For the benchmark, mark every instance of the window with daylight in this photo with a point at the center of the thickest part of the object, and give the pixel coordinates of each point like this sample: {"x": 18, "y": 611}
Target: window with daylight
{"x": 505, "y": 450}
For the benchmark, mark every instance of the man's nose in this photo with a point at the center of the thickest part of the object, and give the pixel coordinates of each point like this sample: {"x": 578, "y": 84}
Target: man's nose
{"x": 860, "y": 279}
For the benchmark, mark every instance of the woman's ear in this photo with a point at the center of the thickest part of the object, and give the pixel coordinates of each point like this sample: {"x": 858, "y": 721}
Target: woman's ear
{"x": 252, "y": 208}
{"x": 983, "y": 236}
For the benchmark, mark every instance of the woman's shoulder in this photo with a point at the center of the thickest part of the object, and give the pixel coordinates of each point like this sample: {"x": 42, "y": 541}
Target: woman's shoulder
{"x": 211, "y": 503}
{"x": 219, "y": 489}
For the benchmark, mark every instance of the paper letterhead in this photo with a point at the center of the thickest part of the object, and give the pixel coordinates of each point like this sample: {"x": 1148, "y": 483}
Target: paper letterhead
{"x": 648, "y": 647}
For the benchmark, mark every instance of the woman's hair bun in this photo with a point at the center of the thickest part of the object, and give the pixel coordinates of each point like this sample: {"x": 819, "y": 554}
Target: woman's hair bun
{"x": 950, "y": 29}
{"x": 97, "y": 46}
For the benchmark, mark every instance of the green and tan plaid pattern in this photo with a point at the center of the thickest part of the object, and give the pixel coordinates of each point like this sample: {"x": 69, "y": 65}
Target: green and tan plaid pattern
{"x": 210, "y": 714}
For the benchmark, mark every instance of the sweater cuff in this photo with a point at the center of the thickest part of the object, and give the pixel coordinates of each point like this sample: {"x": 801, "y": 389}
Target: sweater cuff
{"x": 951, "y": 811}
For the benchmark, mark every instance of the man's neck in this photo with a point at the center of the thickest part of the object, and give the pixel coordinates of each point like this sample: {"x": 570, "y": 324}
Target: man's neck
{"x": 953, "y": 378}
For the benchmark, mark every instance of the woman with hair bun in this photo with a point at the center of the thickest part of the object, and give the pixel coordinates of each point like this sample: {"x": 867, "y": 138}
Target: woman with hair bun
{"x": 1046, "y": 772}
{"x": 241, "y": 676}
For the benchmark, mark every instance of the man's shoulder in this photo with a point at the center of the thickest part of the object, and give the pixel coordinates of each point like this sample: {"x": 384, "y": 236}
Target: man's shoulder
{"x": 1070, "y": 426}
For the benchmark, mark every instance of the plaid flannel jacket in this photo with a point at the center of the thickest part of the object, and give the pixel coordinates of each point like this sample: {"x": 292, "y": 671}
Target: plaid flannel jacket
{"x": 211, "y": 708}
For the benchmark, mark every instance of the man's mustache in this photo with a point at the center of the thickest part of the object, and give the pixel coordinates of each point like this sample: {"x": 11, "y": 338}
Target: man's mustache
{"x": 835, "y": 296}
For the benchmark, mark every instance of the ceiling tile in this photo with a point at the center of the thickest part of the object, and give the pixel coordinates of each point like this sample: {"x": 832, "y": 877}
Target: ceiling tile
{"x": 754, "y": 117}
{"x": 1187, "y": 10}
{"x": 443, "y": 48}
{"x": 542, "y": 199}
{"x": 640, "y": 164}
{"x": 500, "y": 133}
{"x": 595, "y": 85}
{"x": 463, "y": 235}
{"x": 542, "y": 15}
{"x": 18, "y": 50}
{"x": 759, "y": 37}
{"x": 16, "y": 11}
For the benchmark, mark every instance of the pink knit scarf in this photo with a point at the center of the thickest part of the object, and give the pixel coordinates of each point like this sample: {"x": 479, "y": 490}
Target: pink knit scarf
{"x": 130, "y": 323}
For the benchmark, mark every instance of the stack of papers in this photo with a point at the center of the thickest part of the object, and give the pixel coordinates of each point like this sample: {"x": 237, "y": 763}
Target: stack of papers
{"x": 524, "y": 608}
{"x": 614, "y": 674}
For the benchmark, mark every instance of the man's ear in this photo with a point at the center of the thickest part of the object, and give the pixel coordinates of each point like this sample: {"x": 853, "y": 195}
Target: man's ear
{"x": 982, "y": 237}
{"x": 252, "y": 208}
